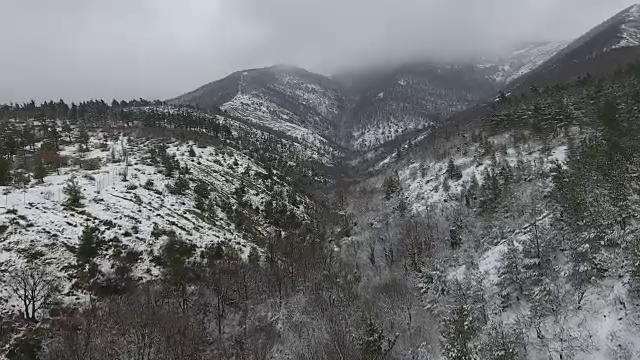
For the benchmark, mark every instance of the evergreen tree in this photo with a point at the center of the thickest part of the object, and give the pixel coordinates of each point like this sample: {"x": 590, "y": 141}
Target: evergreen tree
{"x": 89, "y": 245}
{"x": 460, "y": 331}
{"x": 88, "y": 250}
{"x": 391, "y": 186}
{"x": 502, "y": 345}
{"x": 73, "y": 191}
{"x": 453, "y": 172}
{"x": 83, "y": 140}
{"x": 39, "y": 170}
{"x": 510, "y": 275}
{"x": 5, "y": 172}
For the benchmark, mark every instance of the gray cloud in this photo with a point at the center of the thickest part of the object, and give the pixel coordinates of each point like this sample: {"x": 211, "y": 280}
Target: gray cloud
{"x": 79, "y": 49}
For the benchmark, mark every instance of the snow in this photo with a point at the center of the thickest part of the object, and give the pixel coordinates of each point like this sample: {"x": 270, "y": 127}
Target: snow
{"x": 317, "y": 97}
{"x": 260, "y": 110}
{"x": 525, "y": 59}
{"x": 629, "y": 29}
{"x": 38, "y": 222}
{"x": 424, "y": 191}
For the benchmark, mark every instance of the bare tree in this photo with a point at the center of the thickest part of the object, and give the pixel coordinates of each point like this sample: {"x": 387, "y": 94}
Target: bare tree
{"x": 34, "y": 286}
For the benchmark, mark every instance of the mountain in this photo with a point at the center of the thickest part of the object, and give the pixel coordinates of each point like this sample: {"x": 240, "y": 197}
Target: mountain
{"x": 363, "y": 109}
{"x": 388, "y": 102}
{"x": 606, "y": 47}
{"x": 291, "y": 100}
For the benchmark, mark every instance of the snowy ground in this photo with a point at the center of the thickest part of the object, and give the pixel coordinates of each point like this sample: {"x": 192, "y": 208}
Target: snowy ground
{"x": 38, "y": 227}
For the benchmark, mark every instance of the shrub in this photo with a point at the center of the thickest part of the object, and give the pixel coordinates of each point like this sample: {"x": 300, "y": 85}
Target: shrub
{"x": 149, "y": 184}
{"x": 91, "y": 164}
{"x": 179, "y": 187}
{"x": 73, "y": 191}
{"x": 391, "y": 186}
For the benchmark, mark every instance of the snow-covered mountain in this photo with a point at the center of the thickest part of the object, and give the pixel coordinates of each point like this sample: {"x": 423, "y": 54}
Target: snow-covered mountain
{"x": 356, "y": 110}
{"x": 388, "y": 102}
{"x": 291, "y": 100}
{"x": 608, "y": 46}
{"x": 364, "y": 109}
{"x": 523, "y": 59}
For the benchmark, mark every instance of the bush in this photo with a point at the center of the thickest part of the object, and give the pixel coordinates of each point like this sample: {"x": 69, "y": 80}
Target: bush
{"x": 179, "y": 187}
{"x": 202, "y": 190}
{"x": 91, "y": 164}
{"x": 391, "y": 186}
{"x": 27, "y": 346}
{"x": 149, "y": 184}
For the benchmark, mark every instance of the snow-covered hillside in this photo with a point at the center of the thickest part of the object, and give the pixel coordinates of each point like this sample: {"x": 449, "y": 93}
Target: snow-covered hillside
{"x": 525, "y": 58}
{"x": 287, "y": 99}
{"x": 630, "y": 28}
{"x": 134, "y": 207}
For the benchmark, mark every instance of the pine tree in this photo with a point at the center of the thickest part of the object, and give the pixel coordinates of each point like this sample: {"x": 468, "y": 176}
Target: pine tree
{"x": 39, "y": 170}
{"x": 88, "y": 250}
{"x": 371, "y": 342}
{"x": 501, "y": 344}
{"x": 453, "y": 172}
{"x": 83, "y": 141}
{"x": 391, "y": 186}
{"x": 73, "y": 191}
{"x": 89, "y": 245}
{"x": 5, "y": 172}
{"x": 634, "y": 262}
{"x": 510, "y": 275}
{"x": 460, "y": 331}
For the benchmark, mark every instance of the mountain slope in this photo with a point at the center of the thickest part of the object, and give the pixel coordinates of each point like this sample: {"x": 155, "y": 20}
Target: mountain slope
{"x": 289, "y": 99}
{"x": 390, "y": 102}
{"x": 364, "y": 109}
{"x": 606, "y": 47}
{"x": 524, "y": 59}
{"x": 521, "y": 225}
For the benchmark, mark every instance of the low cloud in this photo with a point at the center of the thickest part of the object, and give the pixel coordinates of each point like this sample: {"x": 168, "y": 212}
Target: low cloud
{"x": 79, "y": 49}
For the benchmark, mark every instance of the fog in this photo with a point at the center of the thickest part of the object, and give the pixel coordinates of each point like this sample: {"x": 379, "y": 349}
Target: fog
{"x": 81, "y": 49}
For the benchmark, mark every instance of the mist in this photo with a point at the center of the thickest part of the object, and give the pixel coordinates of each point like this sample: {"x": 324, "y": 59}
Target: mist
{"x": 81, "y": 49}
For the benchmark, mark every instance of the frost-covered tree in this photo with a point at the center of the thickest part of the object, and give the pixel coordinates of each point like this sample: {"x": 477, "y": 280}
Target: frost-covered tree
{"x": 73, "y": 191}
{"x": 511, "y": 275}
{"x": 453, "y": 172}
{"x": 459, "y": 334}
{"x": 371, "y": 342}
{"x": 391, "y": 186}
{"x": 502, "y": 344}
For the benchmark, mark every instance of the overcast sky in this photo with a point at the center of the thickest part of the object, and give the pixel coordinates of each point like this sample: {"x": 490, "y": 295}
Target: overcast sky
{"x": 80, "y": 49}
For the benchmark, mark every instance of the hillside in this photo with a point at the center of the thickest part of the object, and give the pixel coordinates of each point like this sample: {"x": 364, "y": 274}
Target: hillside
{"x": 528, "y": 222}
{"x": 291, "y": 100}
{"x": 612, "y": 44}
